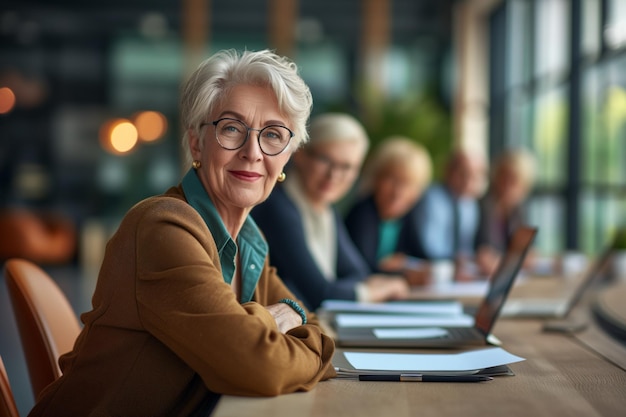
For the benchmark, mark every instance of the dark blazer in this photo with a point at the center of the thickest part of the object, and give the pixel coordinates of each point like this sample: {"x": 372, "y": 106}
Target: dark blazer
{"x": 281, "y": 222}
{"x": 363, "y": 223}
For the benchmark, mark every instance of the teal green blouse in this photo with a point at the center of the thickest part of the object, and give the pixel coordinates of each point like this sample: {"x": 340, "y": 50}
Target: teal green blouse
{"x": 388, "y": 232}
{"x": 252, "y": 246}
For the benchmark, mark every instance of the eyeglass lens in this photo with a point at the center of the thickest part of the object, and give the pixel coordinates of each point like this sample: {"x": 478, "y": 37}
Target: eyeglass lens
{"x": 232, "y": 134}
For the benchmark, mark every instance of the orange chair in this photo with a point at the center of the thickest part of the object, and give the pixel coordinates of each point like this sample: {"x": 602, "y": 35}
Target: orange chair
{"x": 46, "y": 322}
{"x": 8, "y": 408}
{"x": 45, "y": 238}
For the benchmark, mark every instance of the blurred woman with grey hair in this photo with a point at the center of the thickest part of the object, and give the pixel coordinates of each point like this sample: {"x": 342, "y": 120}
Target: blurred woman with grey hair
{"x": 502, "y": 208}
{"x": 308, "y": 240}
{"x": 187, "y": 306}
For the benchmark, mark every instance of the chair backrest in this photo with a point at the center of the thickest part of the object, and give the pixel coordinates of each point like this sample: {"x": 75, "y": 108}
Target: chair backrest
{"x": 46, "y": 322}
{"x": 8, "y": 408}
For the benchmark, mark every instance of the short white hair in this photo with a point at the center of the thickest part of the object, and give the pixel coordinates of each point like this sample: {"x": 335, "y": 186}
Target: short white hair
{"x": 337, "y": 127}
{"x": 212, "y": 80}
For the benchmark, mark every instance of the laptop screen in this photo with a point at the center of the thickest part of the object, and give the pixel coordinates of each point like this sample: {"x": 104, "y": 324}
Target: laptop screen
{"x": 593, "y": 274}
{"x": 502, "y": 280}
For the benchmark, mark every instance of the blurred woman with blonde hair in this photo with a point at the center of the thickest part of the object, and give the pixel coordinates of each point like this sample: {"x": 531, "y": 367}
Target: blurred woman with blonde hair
{"x": 382, "y": 223}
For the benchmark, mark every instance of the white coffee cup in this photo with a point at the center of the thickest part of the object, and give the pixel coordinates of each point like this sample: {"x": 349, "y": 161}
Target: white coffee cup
{"x": 442, "y": 272}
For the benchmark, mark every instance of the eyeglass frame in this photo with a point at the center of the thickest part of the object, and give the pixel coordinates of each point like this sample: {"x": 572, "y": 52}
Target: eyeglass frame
{"x": 248, "y": 128}
{"x": 343, "y": 169}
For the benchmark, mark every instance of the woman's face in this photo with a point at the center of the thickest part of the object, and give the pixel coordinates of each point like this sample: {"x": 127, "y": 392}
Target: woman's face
{"x": 327, "y": 170}
{"x": 466, "y": 176}
{"x": 509, "y": 187}
{"x": 396, "y": 190}
{"x": 242, "y": 178}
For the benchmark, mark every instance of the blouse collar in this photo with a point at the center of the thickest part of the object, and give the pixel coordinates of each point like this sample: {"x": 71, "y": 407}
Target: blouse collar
{"x": 252, "y": 246}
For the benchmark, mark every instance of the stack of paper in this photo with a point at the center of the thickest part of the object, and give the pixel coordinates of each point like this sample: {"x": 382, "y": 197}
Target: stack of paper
{"x": 396, "y": 314}
{"x": 402, "y": 320}
{"x": 471, "y": 289}
{"x": 488, "y": 361}
{"x": 395, "y": 307}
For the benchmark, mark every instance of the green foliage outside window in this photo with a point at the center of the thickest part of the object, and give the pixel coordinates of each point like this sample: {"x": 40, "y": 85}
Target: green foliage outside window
{"x": 421, "y": 118}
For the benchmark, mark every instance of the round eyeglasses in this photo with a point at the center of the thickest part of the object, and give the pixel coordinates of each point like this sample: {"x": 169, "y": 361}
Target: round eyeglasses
{"x": 232, "y": 134}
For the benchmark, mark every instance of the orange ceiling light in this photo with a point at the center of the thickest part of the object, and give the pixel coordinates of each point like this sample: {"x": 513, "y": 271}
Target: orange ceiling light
{"x": 7, "y": 100}
{"x": 118, "y": 136}
{"x": 151, "y": 125}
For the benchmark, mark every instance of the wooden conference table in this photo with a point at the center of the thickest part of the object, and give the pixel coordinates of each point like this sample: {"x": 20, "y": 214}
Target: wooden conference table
{"x": 579, "y": 374}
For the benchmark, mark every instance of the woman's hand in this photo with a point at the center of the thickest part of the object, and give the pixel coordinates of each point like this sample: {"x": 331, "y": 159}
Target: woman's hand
{"x": 285, "y": 316}
{"x": 415, "y": 271}
{"x": 382, "y": 288}
{"x": 393, "y": 263}
{"x": 419, "y": 276}
{"x": 487, "y": 260}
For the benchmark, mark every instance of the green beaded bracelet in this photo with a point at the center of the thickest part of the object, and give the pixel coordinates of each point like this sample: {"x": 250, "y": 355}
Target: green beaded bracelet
{"x": 291, "y": 303}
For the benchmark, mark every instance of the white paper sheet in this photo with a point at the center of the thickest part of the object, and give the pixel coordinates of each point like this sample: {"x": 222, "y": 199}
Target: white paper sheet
{"x": 425, "y": 362}
{"x": 452, "y": 290}
{"x": 410, "y": 333}
{"x": 412, "y": 307}
{"x": 402, "y": 320}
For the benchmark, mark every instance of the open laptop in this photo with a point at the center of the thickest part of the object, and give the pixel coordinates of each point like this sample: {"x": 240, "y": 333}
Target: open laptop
{"x": 451, "y": 336}
{"x": 559, "y": 308}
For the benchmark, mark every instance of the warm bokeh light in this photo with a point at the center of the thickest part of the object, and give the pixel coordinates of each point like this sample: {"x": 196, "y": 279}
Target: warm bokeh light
{"x": 151, "y": 125}
{"x": 124, "y": 136}
{"x": 7, "y": 100}
{"x": 118, "y": 136}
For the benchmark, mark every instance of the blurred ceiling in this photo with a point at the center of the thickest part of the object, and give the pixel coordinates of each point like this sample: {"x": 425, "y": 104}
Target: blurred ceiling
{"x": 66, "y": 55}
{"x": 32, "y": 22}
{"x": 69, "y": 42}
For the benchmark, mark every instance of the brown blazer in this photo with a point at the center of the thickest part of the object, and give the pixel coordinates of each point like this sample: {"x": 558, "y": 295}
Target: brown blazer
{"x": 166, "y": 332}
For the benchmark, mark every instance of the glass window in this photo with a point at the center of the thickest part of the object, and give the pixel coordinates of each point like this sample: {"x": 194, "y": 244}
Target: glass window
{"x": 549, "y": 140}
{"x": 547, "y": 213}
{"x": 605, "y": 124}
{"x": 537, "y": 115}
{"x": 135, "y": 83}
{"x": 518, "y": 42}
{"x": 615, "y": 30}
{"x": 601, "y": 214}
{"x": 604, "y": 154}
{"x": 593, "y": 138}
{"x": 324, "y": 68}
{"x": 614, "y": 112}
{"x": 397, "y": 71}
{"x": 590, "y": 27}
{"x": 519, "y": 126}
{"x": 552, "y": 36}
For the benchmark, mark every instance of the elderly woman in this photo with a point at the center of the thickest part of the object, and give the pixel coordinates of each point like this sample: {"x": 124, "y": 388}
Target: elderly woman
{"x": 309, "y": 244}
{"x": 382, "y": 223}
{"x": 186, "y": 305}
{"x": 502, "y": 208}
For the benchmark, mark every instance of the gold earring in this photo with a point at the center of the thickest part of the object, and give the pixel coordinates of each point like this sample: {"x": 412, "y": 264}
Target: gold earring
{"x": 281, "y": 177}
{"x": 196, "y": 164}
